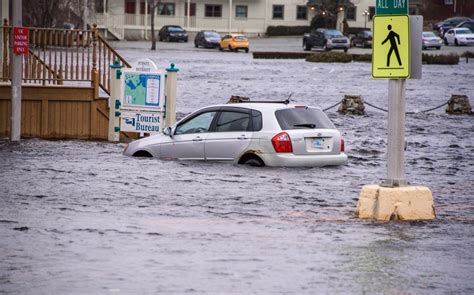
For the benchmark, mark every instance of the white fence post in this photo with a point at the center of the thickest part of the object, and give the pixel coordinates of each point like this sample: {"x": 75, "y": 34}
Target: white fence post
{"x": 171, "y": 77}
{"x": 115, "y": 101}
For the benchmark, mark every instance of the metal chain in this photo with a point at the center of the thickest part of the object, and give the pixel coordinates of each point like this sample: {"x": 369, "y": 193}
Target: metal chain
{"x": 332, "y": 106}
{"x": 384, "y": 110}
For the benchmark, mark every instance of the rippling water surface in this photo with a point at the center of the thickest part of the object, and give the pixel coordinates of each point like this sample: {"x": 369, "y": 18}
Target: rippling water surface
{"x": 79, "y": 217}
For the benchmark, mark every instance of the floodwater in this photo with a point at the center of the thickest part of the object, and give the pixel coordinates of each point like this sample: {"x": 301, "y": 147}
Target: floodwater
{"x": 78, "y": 217}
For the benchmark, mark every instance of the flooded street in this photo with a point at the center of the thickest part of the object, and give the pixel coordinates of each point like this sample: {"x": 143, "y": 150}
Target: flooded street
{"x": 78, "y": 217}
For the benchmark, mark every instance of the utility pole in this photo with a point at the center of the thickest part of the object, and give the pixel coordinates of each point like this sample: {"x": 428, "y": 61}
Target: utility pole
{"x": 17, "y": 63}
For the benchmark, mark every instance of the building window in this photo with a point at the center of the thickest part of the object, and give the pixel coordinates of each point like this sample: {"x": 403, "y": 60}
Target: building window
{"x": 241, "y": 11}
{"x": 351, "y": 13}
{"x": 448, "y": 2}
{"x": 278, "y": 11}
{"x": 142, "y": 8}
{"x": 371, "y": 12}
{"x": 213, "y": 10}
{"x": 99, "y": 6}
{"x": 130, "y": 7}
{"x": 166, "y": 9}
{"x": 301, "y": 12}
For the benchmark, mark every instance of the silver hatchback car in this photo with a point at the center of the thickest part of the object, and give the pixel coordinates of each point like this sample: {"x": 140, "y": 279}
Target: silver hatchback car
{"x": 254, "y": 133}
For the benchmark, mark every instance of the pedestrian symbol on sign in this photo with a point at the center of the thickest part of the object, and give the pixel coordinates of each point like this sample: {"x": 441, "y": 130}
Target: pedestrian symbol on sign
{"x": 393, "y": 45}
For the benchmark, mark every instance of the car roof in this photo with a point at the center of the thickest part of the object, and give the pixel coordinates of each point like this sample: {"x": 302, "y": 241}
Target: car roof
{"x": 260, "y": 106}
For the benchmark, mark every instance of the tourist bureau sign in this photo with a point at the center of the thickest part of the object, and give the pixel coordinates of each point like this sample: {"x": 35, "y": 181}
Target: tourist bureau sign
{"x": 141, "y": 121}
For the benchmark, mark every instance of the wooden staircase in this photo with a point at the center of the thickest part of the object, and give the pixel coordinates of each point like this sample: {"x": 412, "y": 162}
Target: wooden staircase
{"x": 64, "y": 74}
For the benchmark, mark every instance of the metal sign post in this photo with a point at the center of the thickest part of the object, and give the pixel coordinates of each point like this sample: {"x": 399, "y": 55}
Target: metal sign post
{"x": 17, "y": 65}
{"x": 396, "y": 134}
{"x": 392, "y": 59}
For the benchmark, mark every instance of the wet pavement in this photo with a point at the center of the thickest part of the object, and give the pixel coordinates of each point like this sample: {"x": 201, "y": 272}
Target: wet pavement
{"x": 78, "y": 217}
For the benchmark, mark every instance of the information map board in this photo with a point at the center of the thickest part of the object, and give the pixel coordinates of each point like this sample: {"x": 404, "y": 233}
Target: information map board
{"x": 143, "y": 90}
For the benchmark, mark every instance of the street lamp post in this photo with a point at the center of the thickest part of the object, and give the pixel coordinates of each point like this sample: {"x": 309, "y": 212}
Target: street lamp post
{"x": 365, "y": 14}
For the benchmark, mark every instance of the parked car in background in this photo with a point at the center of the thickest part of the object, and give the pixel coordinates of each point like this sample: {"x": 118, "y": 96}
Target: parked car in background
{"x": 467, "y": 24}
{"x": 234, "y": 42}
{"x": 430, "y": 40}
{"x": 325, "y": 39}
{"x": 254, "y": 133}
{"x": 459, "y": 36}
{"x": 207, "y": 39}
{"x": 172, "y": 33}
{"x": 363, "y": 39}
{"x": 451, "y": 23}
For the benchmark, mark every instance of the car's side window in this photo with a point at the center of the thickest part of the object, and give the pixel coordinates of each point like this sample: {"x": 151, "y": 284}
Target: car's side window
{"x": 199, "y": 124}
{"x": 233, "y": 121}
{"x": 256, "y": 120}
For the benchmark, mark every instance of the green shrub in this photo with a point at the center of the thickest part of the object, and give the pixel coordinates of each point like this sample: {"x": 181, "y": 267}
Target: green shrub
{"x": 468, "y": 54}
{"x": 330, "y": 57}
{"x": 280, "y": 55}
{"x": 362, "y": 57}
{"x": 442, "y": 59}
{"x": 287, "y": 30}
{"x": 355, "y": 30}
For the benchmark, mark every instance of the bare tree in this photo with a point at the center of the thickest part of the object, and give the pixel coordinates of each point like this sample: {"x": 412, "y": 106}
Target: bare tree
{"x": 328, "y": 10}
{"x": 153, "y": 6}
{"x": 46, "y": 13}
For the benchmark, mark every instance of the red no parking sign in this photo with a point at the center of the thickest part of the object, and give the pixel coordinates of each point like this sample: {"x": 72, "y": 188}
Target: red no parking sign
{"x": 20, "y": 40}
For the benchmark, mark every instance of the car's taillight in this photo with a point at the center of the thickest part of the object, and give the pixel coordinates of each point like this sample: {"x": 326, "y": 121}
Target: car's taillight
{"x": 282, "y": 143}
{"x": 343, "y": 145}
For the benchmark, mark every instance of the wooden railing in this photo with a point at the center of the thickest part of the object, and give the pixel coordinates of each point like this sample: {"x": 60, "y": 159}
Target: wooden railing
{"x": 57, "y": 56}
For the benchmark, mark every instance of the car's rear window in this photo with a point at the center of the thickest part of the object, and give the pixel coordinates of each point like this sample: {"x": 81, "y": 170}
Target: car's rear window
{"x": 175, "y": 29}
{"x": 240, "y": 37}
{"x": 303, "y": 118}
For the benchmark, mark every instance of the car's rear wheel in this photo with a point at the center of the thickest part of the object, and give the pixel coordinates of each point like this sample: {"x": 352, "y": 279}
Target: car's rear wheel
{"x": 196, "y": 45}
{"x": 345, "y": 50}
{"x": 446, "y": 41}
{"x": 438, "y": 48}
{"x": 251, "y": 160}
{"x": 246, "y": 50}
{"x": 230, "y": 48}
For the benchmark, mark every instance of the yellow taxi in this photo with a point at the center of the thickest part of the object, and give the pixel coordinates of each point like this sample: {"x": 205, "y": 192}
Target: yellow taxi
{"x": 234, "y": 42}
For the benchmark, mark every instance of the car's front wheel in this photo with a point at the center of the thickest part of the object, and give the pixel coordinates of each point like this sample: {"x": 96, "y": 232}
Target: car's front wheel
{"x": 446, "y": 41}
{"x": 306, "y": 47}
{"x": 220, "y": 48}
{"x": 456, "y": 42}
{"x": 345, "y": 50}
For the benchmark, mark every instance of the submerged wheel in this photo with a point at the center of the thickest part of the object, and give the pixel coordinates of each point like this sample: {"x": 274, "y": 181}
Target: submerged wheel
{"x": 251, "y": 160}
{"x": 142, "y": 154}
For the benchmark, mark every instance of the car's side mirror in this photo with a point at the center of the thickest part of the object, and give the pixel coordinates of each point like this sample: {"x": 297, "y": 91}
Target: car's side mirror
{"x": 168, "y": 131}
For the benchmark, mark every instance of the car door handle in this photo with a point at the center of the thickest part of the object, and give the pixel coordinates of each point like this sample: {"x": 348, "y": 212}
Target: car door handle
{"x": 197, "y": 139}
{"x": 242, "y": 137}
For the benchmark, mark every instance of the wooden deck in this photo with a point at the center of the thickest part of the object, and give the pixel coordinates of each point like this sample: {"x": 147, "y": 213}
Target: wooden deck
{"x": 54, "y": 106}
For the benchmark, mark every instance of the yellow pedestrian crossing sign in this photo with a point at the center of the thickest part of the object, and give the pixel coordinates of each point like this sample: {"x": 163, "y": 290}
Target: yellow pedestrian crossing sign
{"x": 391, "y": 47}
